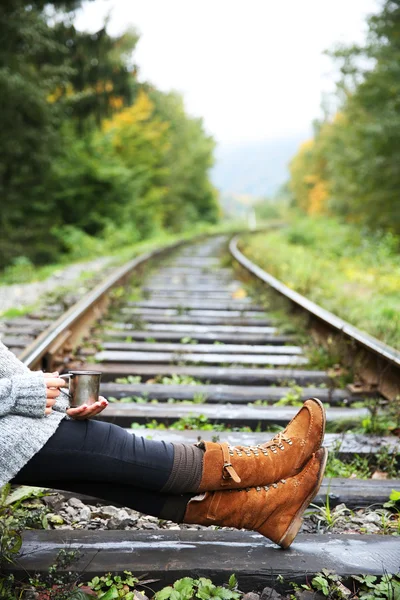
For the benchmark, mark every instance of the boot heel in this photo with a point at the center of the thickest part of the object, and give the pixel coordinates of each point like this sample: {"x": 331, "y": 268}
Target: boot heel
{"x": 295, "y": 524}
{"x": 291, "y": 532}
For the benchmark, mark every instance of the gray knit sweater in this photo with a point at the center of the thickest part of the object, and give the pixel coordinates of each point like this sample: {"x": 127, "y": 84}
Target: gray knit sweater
{"x": 24, "y": 428}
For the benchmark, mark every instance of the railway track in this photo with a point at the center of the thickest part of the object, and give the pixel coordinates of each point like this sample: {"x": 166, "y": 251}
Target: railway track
{"x": 187, "y": 355}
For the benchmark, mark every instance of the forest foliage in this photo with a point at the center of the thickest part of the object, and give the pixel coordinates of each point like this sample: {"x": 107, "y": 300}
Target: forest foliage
{"x": 335, "y": 264}
{"x": 87, "y": 149}
{"x": 351, "y": 166}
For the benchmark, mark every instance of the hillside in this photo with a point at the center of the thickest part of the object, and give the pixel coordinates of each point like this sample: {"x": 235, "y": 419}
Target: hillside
{"x": 254, "y": 169}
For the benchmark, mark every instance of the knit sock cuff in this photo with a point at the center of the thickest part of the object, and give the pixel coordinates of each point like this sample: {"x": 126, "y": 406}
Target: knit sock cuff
{"x": 187, "y": 470}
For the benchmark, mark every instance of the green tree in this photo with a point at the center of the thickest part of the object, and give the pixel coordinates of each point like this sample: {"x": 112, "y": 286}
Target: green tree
{"x": 86, "y": 151}
{"x": 365, "y": 150}
{"x": 101, "y": 78}
{"x": 189, "y": 195}
{"x": 356, "y": 152}
{"x": 28, "y": 128}
{"x": 50, "y": 78}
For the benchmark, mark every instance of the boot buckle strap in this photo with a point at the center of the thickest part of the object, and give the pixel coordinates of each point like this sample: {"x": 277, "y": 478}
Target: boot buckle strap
{"x": 227, "y": 467}
{"x": 231, "y": 473}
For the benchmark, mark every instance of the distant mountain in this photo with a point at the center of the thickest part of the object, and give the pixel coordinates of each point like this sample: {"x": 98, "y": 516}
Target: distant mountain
{"x": 255, "y": 169}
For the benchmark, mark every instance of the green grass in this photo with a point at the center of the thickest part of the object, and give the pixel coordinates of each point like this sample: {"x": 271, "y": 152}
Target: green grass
{"x": 23, "y": 271}
{"x": 13, "y": 313}
{"x": 362, "y": 467}
{"x": 191, "y": 422}
{"x": 87, "y": 248}
{"x": 350, "y": 272}
{"x": 324, "y": 358}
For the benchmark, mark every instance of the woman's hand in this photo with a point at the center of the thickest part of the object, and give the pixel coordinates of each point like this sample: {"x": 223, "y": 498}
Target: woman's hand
{"x": 86, "y": 412}
{"x": 53, "y": 384}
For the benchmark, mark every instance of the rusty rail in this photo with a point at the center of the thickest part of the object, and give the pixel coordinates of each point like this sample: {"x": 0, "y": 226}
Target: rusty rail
{"x": 380, "y": 362}
{"x": 68, "y": 329}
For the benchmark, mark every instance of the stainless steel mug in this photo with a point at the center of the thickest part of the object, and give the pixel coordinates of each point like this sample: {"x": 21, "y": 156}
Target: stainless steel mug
{"x": 84, "y": 387}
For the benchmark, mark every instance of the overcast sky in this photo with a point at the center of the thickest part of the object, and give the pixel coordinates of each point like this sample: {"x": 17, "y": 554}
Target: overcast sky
{"x": 253, "y": 69}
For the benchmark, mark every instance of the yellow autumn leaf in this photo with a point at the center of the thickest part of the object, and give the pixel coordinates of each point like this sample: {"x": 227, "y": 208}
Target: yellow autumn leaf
{"x": 239, "y": 293}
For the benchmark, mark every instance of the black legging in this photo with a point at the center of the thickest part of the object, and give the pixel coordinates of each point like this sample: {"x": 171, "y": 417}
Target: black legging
{"x": 103, "y": 460}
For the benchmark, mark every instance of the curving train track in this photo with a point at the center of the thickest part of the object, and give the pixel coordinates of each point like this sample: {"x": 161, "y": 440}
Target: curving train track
{"x": 182, "y": 347}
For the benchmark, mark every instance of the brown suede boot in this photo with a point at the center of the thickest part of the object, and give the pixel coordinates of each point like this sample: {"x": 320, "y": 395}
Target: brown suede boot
{"x": 274, "y": 511}
{"x": 232, "y": 467}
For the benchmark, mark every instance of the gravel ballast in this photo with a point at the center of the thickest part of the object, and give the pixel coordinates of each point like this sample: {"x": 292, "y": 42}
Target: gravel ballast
{"x": 19, "y": 295}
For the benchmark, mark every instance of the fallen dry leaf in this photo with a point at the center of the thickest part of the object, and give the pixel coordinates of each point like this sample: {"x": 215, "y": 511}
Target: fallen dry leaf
{"x": 379, "y": 475}
{"x": 240, "y": 293}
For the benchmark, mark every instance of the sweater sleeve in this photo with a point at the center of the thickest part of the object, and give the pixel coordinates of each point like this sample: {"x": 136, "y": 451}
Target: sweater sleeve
{"x": 23, "y": 395}
{"x": 9, "y": 363}
{"x": 61, "y": 404}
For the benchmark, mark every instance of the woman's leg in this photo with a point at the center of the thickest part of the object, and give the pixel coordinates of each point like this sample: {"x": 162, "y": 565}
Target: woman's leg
{"x": 105, "y": 461}
{"x": 164, "y": 506}
{"x": 102, "y": 459}
{"x": 93, "y": 451}
{"x": 105, "y": 453}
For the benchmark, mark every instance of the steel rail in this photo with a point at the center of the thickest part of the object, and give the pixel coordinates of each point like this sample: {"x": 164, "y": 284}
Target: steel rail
{"x": 39, "y": 347}
{"x": 151, "y": 555}
{"x": 35, "y": 351}
{"x": 368, "y": 342}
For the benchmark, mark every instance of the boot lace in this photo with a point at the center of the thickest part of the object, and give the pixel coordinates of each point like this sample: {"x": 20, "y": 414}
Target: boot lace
{"x": 259, "y": 488}
{"x": 277, "y": 442}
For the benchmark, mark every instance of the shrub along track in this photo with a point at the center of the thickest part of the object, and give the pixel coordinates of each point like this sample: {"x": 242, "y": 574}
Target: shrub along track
{"x": 193, "y": 336}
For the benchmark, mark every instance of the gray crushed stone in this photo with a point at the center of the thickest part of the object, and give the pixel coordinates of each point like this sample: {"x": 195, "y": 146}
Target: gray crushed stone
{"x": 63, "y": 512}
{"x": 73, "y": 513}
{"x": 342, "y": 520}
{"x": 19, "y": 295}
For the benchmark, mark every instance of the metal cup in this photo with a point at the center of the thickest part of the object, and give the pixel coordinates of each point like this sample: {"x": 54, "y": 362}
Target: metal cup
{"x": 84, "y": 387}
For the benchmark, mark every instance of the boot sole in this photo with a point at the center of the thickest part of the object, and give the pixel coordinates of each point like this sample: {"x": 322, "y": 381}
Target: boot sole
{"x": 307, "y": 458}
{"x": 317, "y": 401}
{"x": 324, "y": 419}
{"x": 297, "y": 520}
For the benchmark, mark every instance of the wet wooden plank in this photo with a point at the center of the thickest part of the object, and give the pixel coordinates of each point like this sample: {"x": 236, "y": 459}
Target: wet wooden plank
{"x": 191, "y": 295}
{"x": 25, "y": 322}
{"x": 169, "y": 555}
{"x": 176, "y": 336}
{"x": 32, "y": 330}
{"x": 210, "y": 278}
{"x": 232, "y": 415}
{"x": 238, "y": 375}
{"x": 222, "y": 394}
{"x": 195, "y": 275}
{"x": 15, "y": 351}
{"x": 193, "y": 320}
{"x": 186, "y": 328}
{"x": 197, "y": 289}
{"x": 211, "y": 359}
{"x": 176, "y": 270}
{"x": 355, "y": 493}
{"x": 18, "y": 342}
{"x": 343, "y": 444}
{"x": 197, "y": 261}
{"x": 189, "y": 312}
{"x": 197, "y": 257}
{"x": 201, "y": 348}
{"x": 197, "y": 304}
